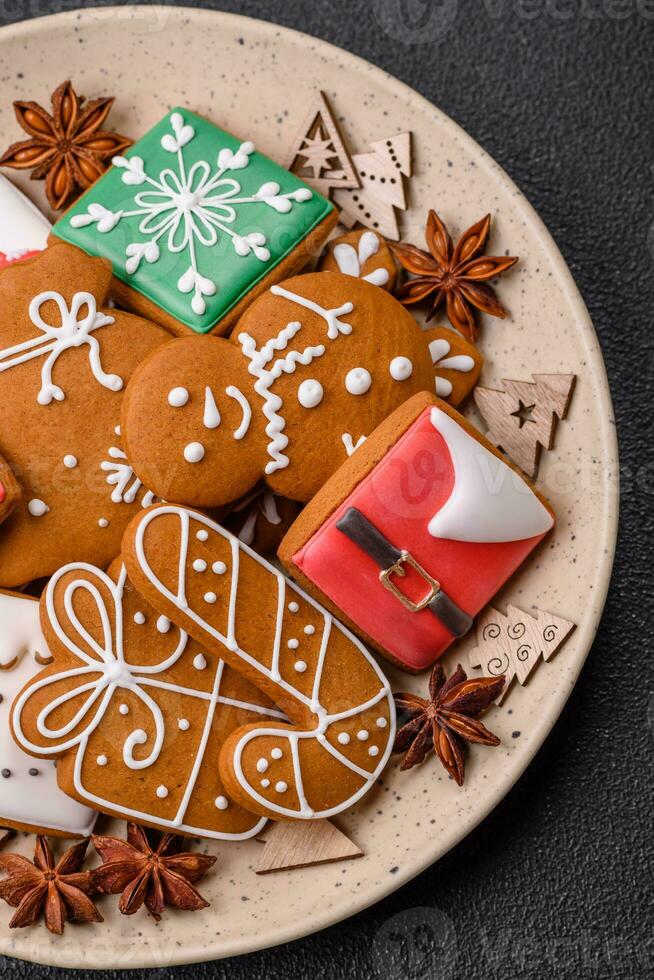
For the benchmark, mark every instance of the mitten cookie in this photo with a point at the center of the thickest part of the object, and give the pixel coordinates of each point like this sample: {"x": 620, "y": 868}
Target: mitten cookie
{"x": 64, "y": 362}
{"x": 9, "y": 490}
{"x": 428, "y": 521}
{"x": 23, "y": 229}
{"x": 30, "y": 798}
{"x": 134, "y": 710}
{"x": 363, "y": 254}
{"x": 261, "y": 519}
{"x": 242, "y": 608}
{"x": 197, "y": 224}
{"x": 311, "y": 369}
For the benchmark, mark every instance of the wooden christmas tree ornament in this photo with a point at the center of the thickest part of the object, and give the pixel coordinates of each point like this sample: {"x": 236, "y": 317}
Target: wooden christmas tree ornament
{"x": 382, "y": 191}
{"x": 319, "y": 155}
{"x": 515, "y": 643}
{"x": 522, "y": 418}
{"x": 300, "y": 844}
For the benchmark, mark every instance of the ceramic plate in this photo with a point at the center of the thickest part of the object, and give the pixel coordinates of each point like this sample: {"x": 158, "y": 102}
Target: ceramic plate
{"x": 255, "y": 79}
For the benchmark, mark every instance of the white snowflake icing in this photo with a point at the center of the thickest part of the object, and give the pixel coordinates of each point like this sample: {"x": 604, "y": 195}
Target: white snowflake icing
{"x": 122, "y": 478}
{"x": 185, "y": 209}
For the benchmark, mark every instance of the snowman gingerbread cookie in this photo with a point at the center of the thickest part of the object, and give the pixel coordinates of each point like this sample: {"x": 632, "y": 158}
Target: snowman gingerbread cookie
{"x": 65, "y": 359}
{"x": 30, "y": 798}
{"x": 313, "y": 366}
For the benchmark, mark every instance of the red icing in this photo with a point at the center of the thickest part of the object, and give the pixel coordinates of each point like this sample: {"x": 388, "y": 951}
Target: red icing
{"x": 4, "y": 261}
{"x": 3, "y": 493}
{"x": 400, "y": 496}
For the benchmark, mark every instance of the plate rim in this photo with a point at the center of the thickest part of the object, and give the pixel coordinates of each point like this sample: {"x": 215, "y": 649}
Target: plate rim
{"x": 608, "y": 437}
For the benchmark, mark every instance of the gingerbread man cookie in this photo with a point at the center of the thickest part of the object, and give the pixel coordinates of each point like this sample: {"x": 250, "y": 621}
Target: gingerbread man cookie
{"x": 135, "y": 710}
{"x": 64, "y": 362}
{"x": 236, "y": 604}
{"x": 310, "y": 370}
{"x": 30, "y": 798}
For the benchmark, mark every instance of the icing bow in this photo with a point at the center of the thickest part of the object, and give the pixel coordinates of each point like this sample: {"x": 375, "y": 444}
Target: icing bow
{"x": 55, "y": 339}
{"x": 99, "y": 675}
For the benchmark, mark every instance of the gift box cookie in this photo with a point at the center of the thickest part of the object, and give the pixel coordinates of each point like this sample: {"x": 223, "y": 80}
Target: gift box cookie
{"x": 23, "y": 229}
{"x": 135, "y": 711}
{"x": 414, "y": 535}
{"x": 30, "y": 798}
{"x": 196, "y": 224}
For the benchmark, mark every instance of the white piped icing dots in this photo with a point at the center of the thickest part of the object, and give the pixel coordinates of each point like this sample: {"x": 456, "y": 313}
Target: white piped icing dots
{"x": 358, "y": 381}
{"x": 310, "y": 393}
{"x": 178, "y": 397}
{"x": 400, "y": 368}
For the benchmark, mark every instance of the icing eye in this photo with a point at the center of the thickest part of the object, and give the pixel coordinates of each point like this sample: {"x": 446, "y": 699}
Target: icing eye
{"x": 358, "y": 381}
{"x": 400, "y": 368}
{"x": 178, "y": 397}
{"x": 310, "y": 393}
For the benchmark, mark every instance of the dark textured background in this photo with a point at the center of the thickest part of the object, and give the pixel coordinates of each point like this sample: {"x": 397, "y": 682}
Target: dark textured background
{"x": 558, "y": 882}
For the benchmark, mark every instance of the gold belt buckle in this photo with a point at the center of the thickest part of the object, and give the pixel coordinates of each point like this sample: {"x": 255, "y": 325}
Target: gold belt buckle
{"x": 398, "y": 569}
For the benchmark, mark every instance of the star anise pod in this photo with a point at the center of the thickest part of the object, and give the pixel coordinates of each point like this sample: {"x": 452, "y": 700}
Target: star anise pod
{"x": 446, "y": 720}
{"x": 157, "y": 876}
{"x": 60, "y": 892}
{"x": 68, "y": 148}
{"x": 456, "y": 274}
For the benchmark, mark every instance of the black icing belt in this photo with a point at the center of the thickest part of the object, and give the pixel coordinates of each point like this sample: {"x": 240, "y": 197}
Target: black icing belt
{"x": 391, "y": 560}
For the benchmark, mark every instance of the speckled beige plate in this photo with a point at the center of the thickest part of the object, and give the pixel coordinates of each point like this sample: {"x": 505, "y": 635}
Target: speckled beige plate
{"x": 255, "y": 79}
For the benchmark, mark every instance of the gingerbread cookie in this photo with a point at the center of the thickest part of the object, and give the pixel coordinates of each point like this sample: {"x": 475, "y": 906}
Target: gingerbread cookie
{"x": 363, "y": 254}
{"x": 64, "y": 362}
{"x": 240, "y": 607}
{"x": 9, "y": 490}
{"x": 30, "y": 799}
{"x": 135, "y": 710}
{"x": 23, "y": 229}
{"x": 312, "y": 368}
{"x": 457, "y": 364}
{"x": 415, "y": 534}
{"x": 261, "y": 519}
{"x": 197, "y": 224}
